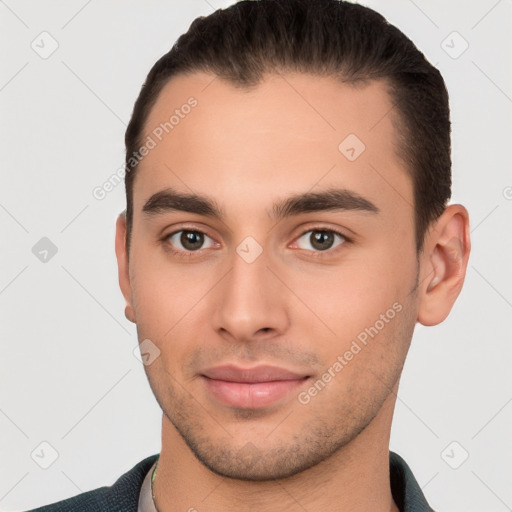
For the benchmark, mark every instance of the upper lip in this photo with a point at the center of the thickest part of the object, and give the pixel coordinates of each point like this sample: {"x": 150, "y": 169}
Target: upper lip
{"x": 231, "y": 373}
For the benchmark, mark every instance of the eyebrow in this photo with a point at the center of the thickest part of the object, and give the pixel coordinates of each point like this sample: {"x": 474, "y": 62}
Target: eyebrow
{"x": 169, "y": 199}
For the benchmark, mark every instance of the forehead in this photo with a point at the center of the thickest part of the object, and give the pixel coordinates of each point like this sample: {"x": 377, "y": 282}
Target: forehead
{"x": 294, "y": 104}
{"x": 289, "y": 133}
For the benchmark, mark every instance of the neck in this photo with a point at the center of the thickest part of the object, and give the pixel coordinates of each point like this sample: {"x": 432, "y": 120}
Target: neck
{"x": 355, "y": 478}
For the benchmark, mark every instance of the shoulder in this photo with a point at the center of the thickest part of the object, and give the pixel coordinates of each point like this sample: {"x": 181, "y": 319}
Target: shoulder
{"x": 122, "y": 496}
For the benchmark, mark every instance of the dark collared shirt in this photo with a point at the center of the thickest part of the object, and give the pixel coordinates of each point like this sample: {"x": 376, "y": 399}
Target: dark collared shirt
{"x": 405, "y": 489}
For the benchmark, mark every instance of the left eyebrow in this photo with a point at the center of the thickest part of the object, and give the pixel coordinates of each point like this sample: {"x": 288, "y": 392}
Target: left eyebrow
{"x": 329, "y": 200}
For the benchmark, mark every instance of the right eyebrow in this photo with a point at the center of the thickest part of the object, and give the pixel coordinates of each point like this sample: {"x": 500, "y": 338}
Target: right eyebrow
{"x": 171, "y": 200}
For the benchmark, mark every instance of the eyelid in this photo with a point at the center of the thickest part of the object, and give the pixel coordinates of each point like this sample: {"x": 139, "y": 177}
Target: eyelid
{"x": 187, "y": 227}
{"x": 338, "y": 231}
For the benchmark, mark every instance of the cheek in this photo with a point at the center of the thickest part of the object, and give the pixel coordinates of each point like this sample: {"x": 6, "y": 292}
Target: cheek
{"x": 159, "y": 296}
{"x": 358, "y": 312}
{"x": 170, "y": 304}
{"x": 352, "y": 295}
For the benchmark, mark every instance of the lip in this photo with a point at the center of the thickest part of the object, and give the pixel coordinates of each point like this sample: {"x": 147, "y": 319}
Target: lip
{"x": 250, "y": 388}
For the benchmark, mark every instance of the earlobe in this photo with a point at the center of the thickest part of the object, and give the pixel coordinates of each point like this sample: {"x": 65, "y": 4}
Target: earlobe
{"x": 444, "y": 263}
{"x": 123, "y": 266}
{"x": 129, "y": 313}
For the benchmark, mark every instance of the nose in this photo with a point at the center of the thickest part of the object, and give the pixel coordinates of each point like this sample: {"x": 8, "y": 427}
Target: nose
{"x": 252, "y": 304}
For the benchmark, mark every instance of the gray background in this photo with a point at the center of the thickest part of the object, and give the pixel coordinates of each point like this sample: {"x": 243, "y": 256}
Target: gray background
{"x": 68, "y": 374}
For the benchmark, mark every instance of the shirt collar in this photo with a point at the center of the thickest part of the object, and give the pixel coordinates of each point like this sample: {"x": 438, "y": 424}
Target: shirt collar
{"x": 406, "y": 491}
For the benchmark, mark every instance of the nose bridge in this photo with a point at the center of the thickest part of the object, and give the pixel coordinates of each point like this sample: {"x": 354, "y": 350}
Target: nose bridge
{"x": 249, "y": 298}
{"x": 247, "y": 284}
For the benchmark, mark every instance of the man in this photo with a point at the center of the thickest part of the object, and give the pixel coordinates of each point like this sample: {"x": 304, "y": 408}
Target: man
{"x": 288, "y": 173}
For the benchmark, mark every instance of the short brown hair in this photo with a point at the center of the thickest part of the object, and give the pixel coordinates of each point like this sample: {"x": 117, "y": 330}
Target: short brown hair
{"x": 328, "y": 38}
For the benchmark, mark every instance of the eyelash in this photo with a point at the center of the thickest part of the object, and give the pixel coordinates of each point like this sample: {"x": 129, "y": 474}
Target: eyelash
{"x": 190, "y": 254}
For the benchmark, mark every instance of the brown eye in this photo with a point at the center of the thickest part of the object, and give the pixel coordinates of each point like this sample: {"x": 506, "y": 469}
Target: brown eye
{"x": 188, "y": 240}
{"x": 191, "y": 240}
{"x": 320, "y": 239}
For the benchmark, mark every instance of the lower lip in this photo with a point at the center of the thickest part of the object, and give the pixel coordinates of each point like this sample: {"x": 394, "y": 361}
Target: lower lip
{"x": 247, "y": 395}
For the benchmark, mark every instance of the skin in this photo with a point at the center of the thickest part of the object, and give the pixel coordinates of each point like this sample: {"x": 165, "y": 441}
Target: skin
{"x": 295, "y": 306}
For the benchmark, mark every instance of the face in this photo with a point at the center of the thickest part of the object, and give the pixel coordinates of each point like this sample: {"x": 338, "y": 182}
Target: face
{"x": 281, "y": 293}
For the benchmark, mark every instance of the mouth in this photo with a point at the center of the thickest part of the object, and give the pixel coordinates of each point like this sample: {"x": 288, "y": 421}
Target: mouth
{"x": 250, "y": 388}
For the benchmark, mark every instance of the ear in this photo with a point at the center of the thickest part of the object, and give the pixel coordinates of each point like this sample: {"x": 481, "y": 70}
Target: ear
{"x": 443, "y": 264}
{"x": 123, "y": 267}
